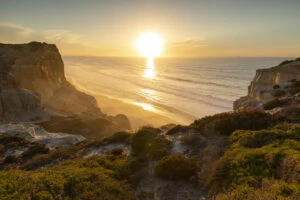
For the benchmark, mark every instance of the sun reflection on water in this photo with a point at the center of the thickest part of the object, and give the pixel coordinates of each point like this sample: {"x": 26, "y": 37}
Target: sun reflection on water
{"x": 145, "y": 106}
{"x": 150, "y": 69}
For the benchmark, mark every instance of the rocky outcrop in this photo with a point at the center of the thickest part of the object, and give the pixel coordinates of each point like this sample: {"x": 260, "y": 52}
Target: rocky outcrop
{"x": 17, "y": 104}
{"x": 39, "y": 67}
{"x": 33, "y": 87}
{"x": 278, "y": 82}
{"x": 35, "y": 133}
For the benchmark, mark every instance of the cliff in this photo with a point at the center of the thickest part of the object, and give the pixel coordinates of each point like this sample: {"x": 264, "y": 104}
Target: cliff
{"x": 275, "y": 83}
{"x": 38, "y": 67}
{"x": 17, "y": 104}
{"x": 33, "y": 88}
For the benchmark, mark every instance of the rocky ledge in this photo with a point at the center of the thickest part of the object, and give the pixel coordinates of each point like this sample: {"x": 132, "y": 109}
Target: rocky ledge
{"x": 276, "y": 90}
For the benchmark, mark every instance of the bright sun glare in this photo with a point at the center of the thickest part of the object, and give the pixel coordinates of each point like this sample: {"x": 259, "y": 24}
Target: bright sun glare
{"x": 149, "y": 45}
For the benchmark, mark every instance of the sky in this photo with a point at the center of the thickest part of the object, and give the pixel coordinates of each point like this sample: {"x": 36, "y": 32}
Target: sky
{"x": 190, "y": 28}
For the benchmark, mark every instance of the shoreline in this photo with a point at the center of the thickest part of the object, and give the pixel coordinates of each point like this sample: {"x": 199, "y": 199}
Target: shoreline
{"x": 137, "y": 115}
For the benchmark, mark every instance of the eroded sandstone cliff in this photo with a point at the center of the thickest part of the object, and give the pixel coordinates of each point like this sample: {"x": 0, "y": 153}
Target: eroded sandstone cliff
{"x": 39, "y": 67}
{"x": 275, "y": 87}
{"x": 33, "y": 88}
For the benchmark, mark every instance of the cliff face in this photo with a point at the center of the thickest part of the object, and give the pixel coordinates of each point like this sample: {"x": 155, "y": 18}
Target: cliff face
{"x": 33, "y": 88}
{"x": 39, "y": 67}
{"x": 269, "y": 84}
{"x": 17, "y": 104}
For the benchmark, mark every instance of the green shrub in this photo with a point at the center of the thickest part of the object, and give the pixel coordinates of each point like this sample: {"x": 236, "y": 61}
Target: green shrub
{"x": 226, "y": 123}
{"x": 192, "y": 139}
{"x": 178, "y": 129}
{"x": 257, "y": 139}
{"x": 13, "y": 141}
{"x": 293, "y": 91}
{"x": 255, "y": 156}
{"x": 294, "y": 88}
{"x": 158, "y": 147}
{"x": 117, "y": 151}
{"x": 176, "y": 167}
{"x": 54, "y": 156}
{"x": 2, "y": 149}
{"x": 147, "y": 143}
{"x": 91, "y": 178}
{"x": 292, "y": 114}
{"x": 278, "y": 93}
{"x": 286, "y": 62}
{"x": 140, "y": 139}
{"x": 42, "y": 195}
{"x": 276, "y": 103}
{"x": 271, "y": 189}
{"x": 119, "y": 137}
{"x": 36, "y": 149}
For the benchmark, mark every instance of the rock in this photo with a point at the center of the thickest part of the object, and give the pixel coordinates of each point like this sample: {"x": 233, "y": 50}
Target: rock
{"x": 7, "y": 81}
{"x": 39, "y": 67}
{"x": 122, "y": 121}
{"x": 269, "y": 84}
{"x": 35, "y": 133}
{"x": 33, "y": 87}
{"x": 18, "y": 104}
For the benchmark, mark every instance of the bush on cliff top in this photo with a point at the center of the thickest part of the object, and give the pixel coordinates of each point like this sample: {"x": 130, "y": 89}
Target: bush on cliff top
{"x": 256, "y": 156}
{"x": 176, "y": 167}
{"x": 226, "y": 123}
{"x": 147, "y": 143}
{"x": 92, "y": 178}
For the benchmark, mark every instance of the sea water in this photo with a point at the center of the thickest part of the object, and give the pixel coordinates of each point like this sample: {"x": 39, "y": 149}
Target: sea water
{"x": 182, "y": 89}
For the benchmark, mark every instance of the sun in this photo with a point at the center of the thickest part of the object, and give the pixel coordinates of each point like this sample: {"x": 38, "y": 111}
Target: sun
{"x": 149, "y": 45}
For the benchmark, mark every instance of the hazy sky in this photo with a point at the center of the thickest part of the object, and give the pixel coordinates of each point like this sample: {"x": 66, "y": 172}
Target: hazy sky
{"x": 189, "y": 27}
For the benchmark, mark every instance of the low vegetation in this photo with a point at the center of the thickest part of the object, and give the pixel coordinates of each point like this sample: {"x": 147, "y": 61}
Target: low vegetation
{"x": 264, "y": 162}
{"x": 276, "y": 103}
{"x": 148, "y": 144}
{"x": 243, "y": 155}
{"x": 278, "y": 93}
{"x": 119, "y": 137}
{"x": 226, "y": 123}
{"x": 176, "y": 167}
{"x": 91, "y": 178}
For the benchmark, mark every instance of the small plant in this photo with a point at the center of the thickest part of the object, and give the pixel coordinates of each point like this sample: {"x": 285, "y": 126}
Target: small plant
{"x": 117, "y": 151}
{"x": 36, "y": 149}
{"x": 226, "y": 123}
{"x": 275, "y": 103}
{"x": 147, "y": 143}
{"x": 278, "y": 93}
{"x": 178, "y": 129}
{"x": 176, "y": 167}
{"x": 192, "y": 139}
{"x": 119, "y": 137}
{"x": 2, "y": 149}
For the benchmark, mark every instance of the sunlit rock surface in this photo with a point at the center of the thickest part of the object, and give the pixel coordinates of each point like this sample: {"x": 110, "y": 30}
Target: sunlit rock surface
{"x": 39, "y": 67}
{"x": 35, "y": 133}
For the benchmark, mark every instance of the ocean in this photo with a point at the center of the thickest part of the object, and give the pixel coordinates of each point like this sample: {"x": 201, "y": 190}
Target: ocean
{"x": 182, "y": 89}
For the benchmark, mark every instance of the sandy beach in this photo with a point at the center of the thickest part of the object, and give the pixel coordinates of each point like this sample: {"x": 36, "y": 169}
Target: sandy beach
{"x": 137, "y": 115}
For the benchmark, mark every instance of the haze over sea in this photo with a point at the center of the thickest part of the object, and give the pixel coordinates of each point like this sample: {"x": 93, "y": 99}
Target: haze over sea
{"x": 181, "y": 89}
